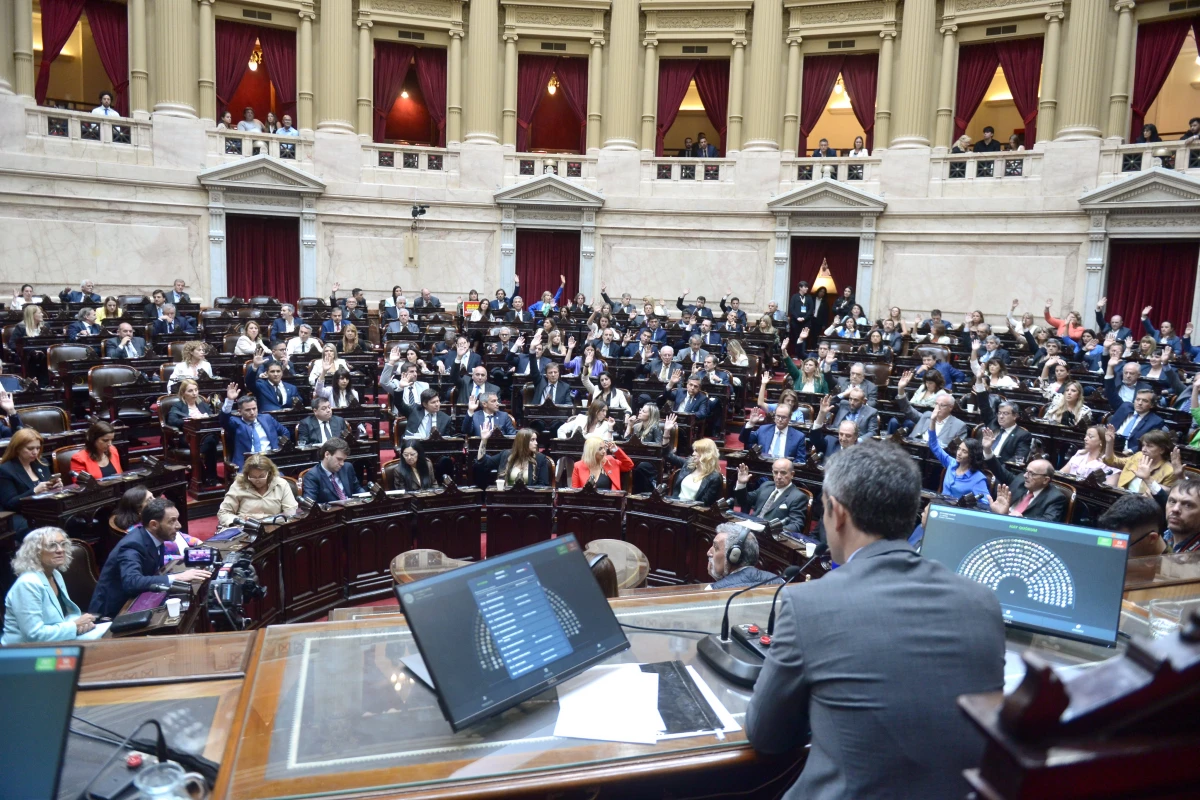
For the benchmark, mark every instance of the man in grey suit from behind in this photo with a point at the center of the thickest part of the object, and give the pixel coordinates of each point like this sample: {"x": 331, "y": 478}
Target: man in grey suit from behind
{"x": 871, "y": 658}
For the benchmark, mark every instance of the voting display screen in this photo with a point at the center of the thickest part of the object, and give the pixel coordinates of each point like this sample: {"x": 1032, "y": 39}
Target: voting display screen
{"x": 37, "y": 687}
{"x": 498, "y": 632}
{"x": 1051, "y": 578}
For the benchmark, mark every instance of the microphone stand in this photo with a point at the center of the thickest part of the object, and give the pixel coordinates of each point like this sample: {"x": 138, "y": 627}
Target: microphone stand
{"x": 820, "y": 550}
{"x": 730, "y": 660}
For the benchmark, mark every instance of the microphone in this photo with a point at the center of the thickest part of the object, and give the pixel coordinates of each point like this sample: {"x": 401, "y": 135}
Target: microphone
{"x": 730, "y": 659}
{"x": 725, "y": 619}
{"x": 788, "y": 575}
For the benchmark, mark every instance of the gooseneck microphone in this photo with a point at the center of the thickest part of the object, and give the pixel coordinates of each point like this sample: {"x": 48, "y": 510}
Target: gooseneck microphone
{"x": 789, "y": 575}
{"x": 725, "y": 619}
{"x": 731, "y": 659}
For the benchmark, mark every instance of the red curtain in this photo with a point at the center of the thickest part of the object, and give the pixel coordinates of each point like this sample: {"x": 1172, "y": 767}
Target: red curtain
{"x": 59, "y": 18}
{"x": 1021, "y": 60}
{"x": 431, "y": 74}
{"x": 976, "y": 68}
{"x": 1144, "y": 273}
{"x": 262, "y": 256}
{"x": 674, "y": 76}
{"x": 279, "y": 56}
{"x": 391, "y": 68}
{"x": 1158, "y": 45}
{"x": 860, "y": 74}
{"x": 809, "y": 252}
{"x": 235, "y": 43}
{"x": 533, "y": 73}
{"x": 712, "y": 83}
{"x": 820, "y": 74}
{"x": 541, "y": 257}
{"x": 573, "y": 81}
{"x": 110, "y": 31}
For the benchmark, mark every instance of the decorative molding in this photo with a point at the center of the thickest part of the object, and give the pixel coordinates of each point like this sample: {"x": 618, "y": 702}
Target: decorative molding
{"x": 554, "y": 19}
{"x": 824, "y": 222}
{"x": 549, "y": 190}
{"x": 983, "y": 5}
{"x": 274, "y": 201}
{"x": 1184, "y": 223}
{"x": 828, "y": 196}
{"x": 414, "y": 8}
{"x": 261, "y": 174}
{"x": 843, "y": 13}
{"x": 540, "y": 214}
{"x": 1155, "y": 189}
{"x": 691, "y": 20}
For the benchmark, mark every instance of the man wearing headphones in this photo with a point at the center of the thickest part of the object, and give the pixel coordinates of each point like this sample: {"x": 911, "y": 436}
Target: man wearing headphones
{"x": 732, "y": 558}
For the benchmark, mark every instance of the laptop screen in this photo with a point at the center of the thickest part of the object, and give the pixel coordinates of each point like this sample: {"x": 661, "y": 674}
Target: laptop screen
{"x": 37, "y": 687}
{"x": 1051, "y": 578}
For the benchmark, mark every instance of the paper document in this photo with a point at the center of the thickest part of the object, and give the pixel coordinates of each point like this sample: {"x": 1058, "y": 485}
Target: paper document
{"x": 416, "y": 665}
{"x": 96, "y": 632}
{"x": 610, "y": 703}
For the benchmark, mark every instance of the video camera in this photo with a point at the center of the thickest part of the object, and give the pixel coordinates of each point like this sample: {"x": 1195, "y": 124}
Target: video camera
{"x": 235, "y": 583}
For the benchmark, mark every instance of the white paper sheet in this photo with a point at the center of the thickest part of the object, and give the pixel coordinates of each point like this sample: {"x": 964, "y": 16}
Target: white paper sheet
{"x": 611, "y": 703}
{"x": 96, "y": 632}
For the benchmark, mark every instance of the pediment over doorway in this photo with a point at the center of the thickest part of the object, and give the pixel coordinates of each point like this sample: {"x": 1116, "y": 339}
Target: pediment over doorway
{"x": 549, "y": 191}
{"x": 827, "y": 196}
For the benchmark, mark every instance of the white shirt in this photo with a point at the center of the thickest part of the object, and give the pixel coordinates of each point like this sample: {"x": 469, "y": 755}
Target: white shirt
{"x": 250, "y": 125}
{"x": 105, "y": 112}
{"x": 288, "y": 132}
{"x": 295, "y": 347}
{"x": 1004, "y": 432}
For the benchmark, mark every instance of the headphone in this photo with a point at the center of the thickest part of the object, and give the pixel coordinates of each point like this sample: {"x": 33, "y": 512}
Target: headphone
{"x": 596, "y": 559}
{"x": 734, "y": 545}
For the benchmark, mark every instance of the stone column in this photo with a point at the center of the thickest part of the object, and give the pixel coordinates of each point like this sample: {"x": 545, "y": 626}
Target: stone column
{"x": 914, "y": 101}
{"x": 1048, "y": 102}
{"x": 650, "y": 97}
{"x": 366, "y": 77}
{"x": 1086, "y": 51}
{"x": 304, "y": 70}
{"x": 620, "y": 98}
{"x": 454, "y": 88}
{"x": 883, "y": 92}
{"x": 508, "y": 125}
{"x": 336, "y": 113}
{"x": 762, "y": 104}
{"x": 737, "y": 80}
{"x": 139, "y": 75}
{"x": 791, "y": 97}
{"x": 6, "y": 46}
{"x": 944, "y": 125}
{"x": 1118, "y": 99}
{"x": 595, "y": 73}
{"x": 482, "y": 111}
{"x": 23, "y": 47}
{"x": 176, "y": 71}
{"x": 208, "y": 56}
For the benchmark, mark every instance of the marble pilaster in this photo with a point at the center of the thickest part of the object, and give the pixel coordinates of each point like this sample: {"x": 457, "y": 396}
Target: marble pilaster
{"x": 177, "y": 72}
{"x": 304, "y": 69}
{"x": 914, "y": 101}
{"x": 762, "y": 101}
{"x": 1118, "y": 99}
{"x": 650, "y": 97}
{"x": 1081, "y": 109}
{"x": 208, "y": 53}
{"x": 336, "y": 112}
{"x": 22, "y": 17}
{"x": 483, "y": 107}
{"x": 1051, "y": 53}
{"x": 944, "y": 125}
{"x": 366, "y": 77}
{"x": 595, "y": 79}
{"x": 620, "y": 96}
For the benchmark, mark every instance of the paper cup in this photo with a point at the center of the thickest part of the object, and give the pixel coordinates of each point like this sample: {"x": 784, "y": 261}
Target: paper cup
{"x": 174, "y": 606}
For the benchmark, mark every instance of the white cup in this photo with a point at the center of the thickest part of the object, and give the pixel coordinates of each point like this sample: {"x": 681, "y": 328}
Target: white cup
{"x": 809, "y": 549}
{"x": 500, "y": 484}
{"x": 174, "y": 606}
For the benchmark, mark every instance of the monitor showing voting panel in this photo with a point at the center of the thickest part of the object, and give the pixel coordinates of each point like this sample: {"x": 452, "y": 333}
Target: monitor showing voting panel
{"x": 1051, "y": 578}
{"x": 503, "y": 630}
{"x": 37, "y": 687}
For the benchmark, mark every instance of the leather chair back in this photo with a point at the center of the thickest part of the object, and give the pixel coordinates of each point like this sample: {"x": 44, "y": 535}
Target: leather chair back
{"x": 263, "y": 300}
{"x": 175, "y": 353}
{"x": 562, "y": 472}
{"x": 246, "y": 312}
{"x": 1069, "y": 491}
{"x": 136, "y": 300}
{"x": 294, "y": 486}
{"x": 221, "y": 302}
{"x": 879, "y": 373}
{"x": 81, "y": 576}
{"x": 105, "y": 376}
{"x": 63, "y": 353}
{"x": 230, "y": 341}
{"x": 62, "y": 461}
{"x": 938, "y": 351}
{"x": 165, "y": 403}
{"x": 46, "y": 419}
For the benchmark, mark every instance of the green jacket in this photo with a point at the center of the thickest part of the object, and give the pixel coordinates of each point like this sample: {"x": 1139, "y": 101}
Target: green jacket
{"x": 798, "y": 377}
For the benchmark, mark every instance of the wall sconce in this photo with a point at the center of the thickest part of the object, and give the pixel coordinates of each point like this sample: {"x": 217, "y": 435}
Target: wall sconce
{"x": 256, "y": 58}
{"x": 552, "y": 87}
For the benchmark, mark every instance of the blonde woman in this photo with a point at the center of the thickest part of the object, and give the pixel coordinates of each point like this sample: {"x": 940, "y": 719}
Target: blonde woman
{"x": 30, "y": 326}
{"x": 350, "y": 341}
{"x": 327, "y": 365}
{"x": 1068, "y": 408}
{"x": 193, "y": 365}
{"x": 699, "y": 477}
{"x": 737, "y": 354}
{"x": 37, "y": 608}
{"x": 110, "y": 311}
{"x": 258, "y": 492}
{"x": 602, "y": 462}
{"x": 250, "y": 340}
{"x": 1090, "y": 457}
{"x": 962, "y": 145}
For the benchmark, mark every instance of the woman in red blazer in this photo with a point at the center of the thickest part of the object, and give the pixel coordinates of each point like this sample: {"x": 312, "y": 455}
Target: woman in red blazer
{"x": 603, "y": 462}
{"x": 98, "y": 457}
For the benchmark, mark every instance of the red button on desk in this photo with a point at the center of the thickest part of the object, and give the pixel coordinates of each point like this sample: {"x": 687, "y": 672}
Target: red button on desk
{"x": 752, "y": 629}
{"x": 133, "y": 760}
{"x": 765, "y": 641}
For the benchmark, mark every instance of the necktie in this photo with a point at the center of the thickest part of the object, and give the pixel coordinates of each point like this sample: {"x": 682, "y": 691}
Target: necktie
{"x": 1129, "y": 425}
{"x": 260, "y": 438}
{"x": 1000, "y": 442}
{"x": 1019, "y": 509}
{"x": 770, "y": 502}
{"x": 170, "y": 327}
{"x": 130, "y": 352}
{"x": 687, "y": 403}
{"x": 488, "y": 420}
{"x": 325, "y": 435}
{"x": 279, "y": 396}
{"x": 546, "y": 393}
{"x": 427, "y": 425}
{"x": 778, "y": 444}
{"x": 337, "y": 487}
{"x": 410, "y": 400}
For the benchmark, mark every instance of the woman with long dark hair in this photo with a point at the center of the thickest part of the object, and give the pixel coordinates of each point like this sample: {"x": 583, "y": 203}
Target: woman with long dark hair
{"x": 522, "y": 462}
{"x": 413, "y": 472}
{"x": 98, "y": 457}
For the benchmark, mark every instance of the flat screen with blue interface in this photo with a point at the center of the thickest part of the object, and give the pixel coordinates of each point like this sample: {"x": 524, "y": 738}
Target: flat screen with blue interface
{"x": 498, "y": 632}
{"x": 37, "y": 687}
{"x": 1051, "y": 578}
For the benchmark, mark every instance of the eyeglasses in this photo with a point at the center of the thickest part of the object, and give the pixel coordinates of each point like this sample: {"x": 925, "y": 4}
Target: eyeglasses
{"x": 56, "y": 547}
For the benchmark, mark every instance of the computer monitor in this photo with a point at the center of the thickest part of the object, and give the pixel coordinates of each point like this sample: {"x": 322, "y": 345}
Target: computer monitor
{"x": 503, "y": 630}
{"x": 37, "y": 687}
{"x": 1050, "y": 578}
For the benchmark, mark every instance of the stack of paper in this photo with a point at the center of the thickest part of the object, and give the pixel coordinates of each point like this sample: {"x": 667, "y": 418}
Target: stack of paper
{"x": 611, "y": 703}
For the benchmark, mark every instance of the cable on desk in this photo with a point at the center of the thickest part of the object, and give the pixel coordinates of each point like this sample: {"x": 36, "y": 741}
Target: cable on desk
{"x": 663, "y": 630}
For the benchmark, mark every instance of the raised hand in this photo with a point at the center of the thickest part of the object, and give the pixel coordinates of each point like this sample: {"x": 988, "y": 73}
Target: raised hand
{"x": 1003, "y": 500}
{"x": 766, "y": 377}
{"x": 1101, "y": 303}
{"x": 1128, "y": 342}
{"x": 1049, "y": 303}
{"x": 1143, "y": 469}
{"x": 571, "y": 343}
{"x": 488, "y": 427}
{"x": 1015, "y": 303}
{"x": 1187, "y": 329}
{"x": 628, "y": 337}
{"x": 1146, "y": 311}
{"x": 562, "y": 280}
{"x": 904, "y": 379}
{"x": 1109, "y": 338}
{"x": 686, "y": 292}
{"x": 743, "y": 474}
{"x": 670, "y": 422}
{"x": 231, "y": 391}
{"x": 259, "y": 358}
{"x": 826, "y": 404}
{"x": 337, "y": 287}
{"x": 989, "y": 436}
{"x": 831, "y": 357}
{"x": 786, "y": 342}
{"x": 1177, "y": 460}
{"x": 472, "y": 404}
{"x": 520, "y": 345}
{"x": 6, "y": 403}
{"x": 394, "y": 356}
{"x": 804, "y": 333}
{"x": 604, "y": 288}
{"x": 675, "y": 376}
{"x": 1113, "y": 361}
{"x": 1112, "y": 430}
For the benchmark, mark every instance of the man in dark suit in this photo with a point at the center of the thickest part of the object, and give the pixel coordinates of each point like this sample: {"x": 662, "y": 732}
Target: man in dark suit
{"x": 169, "y": 323}
{"x": 352, "y": 311}
{"x": 271, "y": 391}
{"x": 518, "y": 313}
{"x": 124, "y": 344}
{"x": 84, "y": 295}
{"x": 776, "y": 499}
{"x": 332, "y": 479}
{"x": 321, "y": 426}
{"x": 248, "y": 432}
{"x": 84, "y": 325}
{"x": 522, "y": 363}
{"x": 691, "y": 400}
{"x": 732, "y": 558}
{"x": 424, "y": 420}
{"x": 800, "y": 311}
{"x": 854, "y": 408}
{"x": 475, "y": 385}
{"x": 484, "y": 411}
{"x": 403, "y": 325}
{"x": 427, "y": 301}
{"x": 698, "y": 309}
{"x": 1114, "y": 325}
{"x": 333, "y": 325}
{"x": 1029, "y": 495}
{"x": 845, "y": 438}
{"x": 847, "y": 669}
{"x": 858, "y": 377}
{"x": 177, "y": 294}
{"x": 460, "y": 361}
{"x": 824, "y": 150}
{"x": 702, "y": 148}
{"x": 1132, "y": 420}
{"x": 546, "y": 385}
{"x": 135, "y": 564}
{"x": 1130, "y": 382}
{"x": 689, "y": 149}
{"x": 710, "y": 339}
{"x": 153, "y": 310}
{"x": 780, "y": 440}
{"x": 1012, "y": 441}
{"x": 992, "y": 351}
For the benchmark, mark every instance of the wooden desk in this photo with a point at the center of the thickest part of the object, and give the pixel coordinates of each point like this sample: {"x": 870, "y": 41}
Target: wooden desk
{"x": 591, "y": 514}
{"x": 518, "y": 517}
{"x": 661, "y": 529}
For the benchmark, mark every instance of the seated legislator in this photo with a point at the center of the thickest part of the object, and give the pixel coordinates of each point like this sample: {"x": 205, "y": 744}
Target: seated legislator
{"x": 124, "y": 344}
{"x": 593, "y": 422}
{"x": 84, "y": 325}
{"x": 84, "y": 295}
{"x": 98, "y": 457}
{"x": 327, "y": 365}
{"x": 111, "y": 311}
{"x": 266, "y": 381}
{"x": 320, "y": 426}
{"x": 604, "y": 390}
{"x": 153, "y": 310}
{"x": 963, "y": 472}
{"x": 413, "y": 471}
{"x": 37, "y": 608}
{"x": 941, "y": 418}
{"x": 646, "y": 427}
{"x": 776, "y": 499}
{"x": 1012, "y": 441}
{"x": 1149, "y": 470}
{"x": 22, "y": 474}
{"x": 169, "y": 323}
{"x": 1133, "y": 420}
{"x": 428, "y": 416}
{"x": 249, "y": 431}
{"x": 475, "y": 385}
{"x": 781, "y": 440}
{"x": 484, "y": 411}
{"x": 854, "y": 408}
{"x": 193, "y": 406}
{"x": 128, "y": 512}
{"x": 10, "y": 420}
{"x": 284, "y": 326}
{"x": 332, "y": 479}
{"x": 135, "y": 564}
{"x": 732, "y": 558}
{"x": 402, "y": 325}
{"x": 846, "y": 643}
{"x": 691, "y": 400}
{"x": 858, "y": 379}
{"x": 1142, "y": 518}
{"x": 193, "y": 365}
{"x": 258, "y": 492}
{"x": 699, "y": 477}
{"x": 603, "y": 462}
{"x": 522, "y": 462}
{"x": 304, "y": 344}
{"x": 1030, "y": 495}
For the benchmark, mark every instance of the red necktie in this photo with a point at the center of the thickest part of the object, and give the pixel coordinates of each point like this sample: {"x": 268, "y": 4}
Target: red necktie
{"x": 1021, "y": 506}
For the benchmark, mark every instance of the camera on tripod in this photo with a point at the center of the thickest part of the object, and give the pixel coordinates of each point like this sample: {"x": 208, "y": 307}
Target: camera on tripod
{"x": 235, "y": 583}
{"x": 419, "y": 211}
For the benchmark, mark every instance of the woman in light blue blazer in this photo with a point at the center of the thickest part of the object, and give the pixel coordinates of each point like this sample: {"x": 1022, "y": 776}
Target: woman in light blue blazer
{"x": 37, "y": 608}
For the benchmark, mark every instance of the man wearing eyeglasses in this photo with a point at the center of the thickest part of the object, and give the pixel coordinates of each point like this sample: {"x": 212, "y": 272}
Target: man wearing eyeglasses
{"x": 1142, "y": 518}
{"x": 1030, "y": 495}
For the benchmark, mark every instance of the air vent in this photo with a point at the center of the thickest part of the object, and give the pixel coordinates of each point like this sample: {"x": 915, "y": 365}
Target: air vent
{"x": 842, "y": 44}
{"x": 1184, "y": 5}
{"x": 1001, "y": 30}
{"x": 414, "y": 35}
{"x": 252, "y": 14}
{"x": 554, "y": 45}
{"x": 695, "y": 48}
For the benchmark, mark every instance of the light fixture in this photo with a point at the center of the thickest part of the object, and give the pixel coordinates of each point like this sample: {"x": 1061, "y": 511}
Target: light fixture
{"x": 404, "y": 94}
{"x": 256, "y": 58}
{"x": 552, "y": 87}
{"x": 837, "y": 87}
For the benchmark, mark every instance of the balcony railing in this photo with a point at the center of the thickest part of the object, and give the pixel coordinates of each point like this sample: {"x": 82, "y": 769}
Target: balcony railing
{"x": 408, "y": 164}
{"x": 231, "y": 145}
{"x": 521, "y": 167}
{"x": 1128, "y": 158}
{"x": 79, "y": 134}
{"x": 1016, "y": 164}
{"x": 796, "y": 172}
{"x": 688, "y": 170}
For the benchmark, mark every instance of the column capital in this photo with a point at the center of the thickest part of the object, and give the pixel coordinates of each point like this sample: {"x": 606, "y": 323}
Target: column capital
{"x": 510, "y": 36}
{"x": 650, "y": 42}
{"x": 307, "y": 14}
{"x": 596, "y": 41}
{"x": 1123, "y": 6}
{"x": 363, "y": 22}
{"x": 947, "y": 30}
{"x": 455, "y": 33}
{"x": 886, "y": 35}
{"x": 790, "y": 41}
{"x": 1055, "y": 16}
{"x": 207, "y": 2}
{"x": 739, "y": 41}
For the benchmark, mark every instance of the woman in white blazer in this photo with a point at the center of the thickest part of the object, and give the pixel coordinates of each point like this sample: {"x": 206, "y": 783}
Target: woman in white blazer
{"x": 37, "y": 608}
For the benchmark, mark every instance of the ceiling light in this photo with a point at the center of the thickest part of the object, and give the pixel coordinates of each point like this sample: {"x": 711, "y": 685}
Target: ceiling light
{"x": 404, "y": 94}
{"x": 552, "y": 87}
